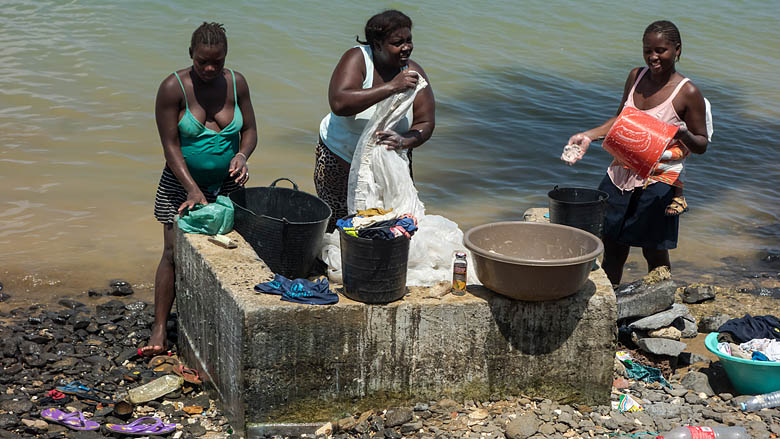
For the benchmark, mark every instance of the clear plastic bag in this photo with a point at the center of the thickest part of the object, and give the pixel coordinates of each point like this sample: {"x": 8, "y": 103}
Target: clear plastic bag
{"x": 380, "y": 178}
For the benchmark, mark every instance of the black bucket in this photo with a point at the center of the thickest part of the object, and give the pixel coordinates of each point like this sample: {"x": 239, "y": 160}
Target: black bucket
{"x": 284, "y": 226}
{"x": 374, "y": 270}
{"x": 578, "y": 207}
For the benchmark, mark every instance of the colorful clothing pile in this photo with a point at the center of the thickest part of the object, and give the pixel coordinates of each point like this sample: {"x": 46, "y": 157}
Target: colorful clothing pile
{"x": 751, "y": 338}
{"x": 378, "y": 224}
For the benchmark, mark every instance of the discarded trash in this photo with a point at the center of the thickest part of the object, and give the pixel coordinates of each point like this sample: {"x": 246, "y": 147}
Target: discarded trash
{"x": 223, "y": 241}
{"x": 705, "y": 433}
{"x": 765, "y": 401}
{"x": 628, "y": 404}
{"x": 638, "y": 372}
{"x": 459, "y": 273}
{"x": 154, "y": 389}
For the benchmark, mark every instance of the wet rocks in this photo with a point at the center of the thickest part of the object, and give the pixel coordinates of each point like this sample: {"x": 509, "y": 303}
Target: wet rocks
{"x": 712, "y": 323}
{"x": 118, "y": 287}
{"x": 697, "y": 293}
{"x": 646, "y": 296}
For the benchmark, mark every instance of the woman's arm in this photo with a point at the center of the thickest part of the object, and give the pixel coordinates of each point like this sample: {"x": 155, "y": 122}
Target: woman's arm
{"x": 238, "y": 167}
{"x": 694, "y": 133}
{"x": 346, "y": 94}
{"x": 583, "y": 139}
{"x": 166, "y": 113}
{"x": 424, "y": 119}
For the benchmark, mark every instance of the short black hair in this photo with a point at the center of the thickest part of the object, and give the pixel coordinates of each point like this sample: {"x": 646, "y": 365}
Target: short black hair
{"x": 667, "y": 29}
{"x": 381, "y": 25}
{"x": 209, "y": 34}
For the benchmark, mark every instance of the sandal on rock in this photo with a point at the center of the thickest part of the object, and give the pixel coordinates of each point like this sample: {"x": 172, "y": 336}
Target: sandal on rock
{"x": 190, "y": 375}
{"x": 164, "y": 363}
{"x": 677, "y": 206}
{"x": 145, "y": 426}
{"x": 74, "y": 420}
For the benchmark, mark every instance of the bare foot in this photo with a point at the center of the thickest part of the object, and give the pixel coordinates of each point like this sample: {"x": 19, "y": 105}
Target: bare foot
{"x": 156, "y": 345}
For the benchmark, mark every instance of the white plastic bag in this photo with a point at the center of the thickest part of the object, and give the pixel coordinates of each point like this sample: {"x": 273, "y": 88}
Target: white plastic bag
{"x": 380, "y": 178}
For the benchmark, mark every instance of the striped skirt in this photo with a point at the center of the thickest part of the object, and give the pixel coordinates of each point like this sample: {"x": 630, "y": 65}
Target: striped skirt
{"x": 171, "y": 195}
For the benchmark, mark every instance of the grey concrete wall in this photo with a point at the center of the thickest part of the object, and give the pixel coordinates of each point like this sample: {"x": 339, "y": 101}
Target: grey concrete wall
{"x": 268, "y": 360}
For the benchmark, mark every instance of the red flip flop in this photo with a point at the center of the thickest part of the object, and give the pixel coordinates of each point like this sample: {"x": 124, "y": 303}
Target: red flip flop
{"x": 190, "y": 375}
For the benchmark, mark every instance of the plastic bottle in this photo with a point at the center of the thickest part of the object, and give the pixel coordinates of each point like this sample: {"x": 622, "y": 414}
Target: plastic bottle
{"x": 459, "y": 267}
{"x": 706, "y": 433}
{"x": 758, "y": 402}
{"x": 154, "y": 389}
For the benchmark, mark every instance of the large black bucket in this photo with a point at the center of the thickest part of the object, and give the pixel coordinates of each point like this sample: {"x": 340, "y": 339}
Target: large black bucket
{"x": 284, "y": 226}
{"x": 374, "y": 270}
{"x": 578, "y": 207}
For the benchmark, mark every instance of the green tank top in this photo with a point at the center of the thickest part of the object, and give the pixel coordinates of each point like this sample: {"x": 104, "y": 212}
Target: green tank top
{"x": 207, "y": 152}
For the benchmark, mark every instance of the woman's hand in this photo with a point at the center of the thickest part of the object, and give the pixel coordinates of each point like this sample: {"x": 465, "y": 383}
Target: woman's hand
{"x": 576, "y": 148}
{"x": 682, "y": 130}
{"x": 392, "y": 140}
{"x": 193, "y": 199}
{"x": 404, "y": 80}
{"x": 239, "y": 169}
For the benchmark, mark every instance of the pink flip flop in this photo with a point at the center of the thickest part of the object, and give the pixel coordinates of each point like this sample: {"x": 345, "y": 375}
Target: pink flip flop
{"x": 74, "y": 420}
{"x": 146, "y": 426}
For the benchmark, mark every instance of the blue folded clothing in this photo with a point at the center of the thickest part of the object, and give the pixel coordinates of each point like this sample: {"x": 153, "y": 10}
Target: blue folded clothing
{"x": 299, "y": 290}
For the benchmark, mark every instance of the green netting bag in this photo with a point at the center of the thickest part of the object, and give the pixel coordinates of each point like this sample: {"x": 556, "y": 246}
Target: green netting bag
{"x": 212, "y": 219}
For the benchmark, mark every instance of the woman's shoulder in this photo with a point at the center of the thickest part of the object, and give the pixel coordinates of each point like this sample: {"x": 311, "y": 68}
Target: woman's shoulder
{"x": 689, "y": 89}
{"x": 634, "y": 73}
{"x": 172, "y": 83}
{"x": 414, "y": 65}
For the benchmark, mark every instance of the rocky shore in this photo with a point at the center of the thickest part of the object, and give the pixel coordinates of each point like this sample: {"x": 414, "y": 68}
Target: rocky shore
{"x": 93, "y": 339}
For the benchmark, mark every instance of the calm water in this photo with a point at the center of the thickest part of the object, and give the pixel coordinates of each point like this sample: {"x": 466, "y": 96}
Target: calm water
{"x": 80, "y": 156}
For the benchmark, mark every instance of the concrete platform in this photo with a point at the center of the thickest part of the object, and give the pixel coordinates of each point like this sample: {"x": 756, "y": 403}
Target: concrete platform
{"x": 271, "y": 362}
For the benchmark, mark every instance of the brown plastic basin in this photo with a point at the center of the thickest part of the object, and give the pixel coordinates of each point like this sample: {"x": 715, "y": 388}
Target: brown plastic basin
{"x": 532, "y": 261}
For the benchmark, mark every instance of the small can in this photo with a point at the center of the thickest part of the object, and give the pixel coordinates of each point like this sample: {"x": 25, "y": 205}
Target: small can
{"x": 459, "y": 269}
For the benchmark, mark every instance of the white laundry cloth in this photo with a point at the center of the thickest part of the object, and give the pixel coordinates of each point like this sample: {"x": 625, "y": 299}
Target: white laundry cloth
{"x": 768, "y": 347}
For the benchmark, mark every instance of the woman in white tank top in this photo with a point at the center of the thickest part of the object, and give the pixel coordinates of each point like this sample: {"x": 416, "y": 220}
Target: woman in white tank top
{"x": 636, "y": 212}
{"x": 364, "y": 76}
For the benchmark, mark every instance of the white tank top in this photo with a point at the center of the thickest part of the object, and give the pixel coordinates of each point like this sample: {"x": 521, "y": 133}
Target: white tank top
{"x": 341, "y": 133}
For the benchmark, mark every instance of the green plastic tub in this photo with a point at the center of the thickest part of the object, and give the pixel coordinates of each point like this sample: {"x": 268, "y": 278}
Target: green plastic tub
{"x": 749, "y": 377}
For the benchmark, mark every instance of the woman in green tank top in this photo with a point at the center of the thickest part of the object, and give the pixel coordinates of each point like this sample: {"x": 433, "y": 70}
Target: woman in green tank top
{"x": 207, "y": 129}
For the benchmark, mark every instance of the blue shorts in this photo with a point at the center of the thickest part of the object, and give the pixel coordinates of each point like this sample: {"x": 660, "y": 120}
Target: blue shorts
{"x": 637, "y": 218}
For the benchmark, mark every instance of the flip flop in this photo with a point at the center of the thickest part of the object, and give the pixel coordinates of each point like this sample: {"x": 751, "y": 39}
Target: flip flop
{"x": 164, "y": 363}
{"x": 146, "y": 426}
{"x": 55, "y": 397}
{"x": 89, "y": 395}
{"x": 73, "y": 420}
{"x": 190, "y": 375}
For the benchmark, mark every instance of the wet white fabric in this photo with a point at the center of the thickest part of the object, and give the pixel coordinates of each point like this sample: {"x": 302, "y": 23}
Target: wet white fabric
{"x": 380, "y": 178}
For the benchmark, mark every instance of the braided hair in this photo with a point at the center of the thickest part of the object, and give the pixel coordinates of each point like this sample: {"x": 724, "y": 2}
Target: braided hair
{"x": 668, "y": 30}
{"x": 381, "y": 25}
{"x": 209, "y": 34}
